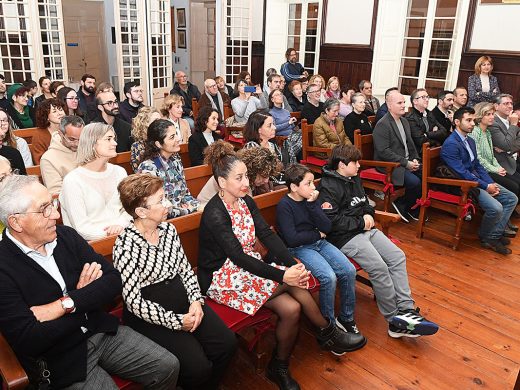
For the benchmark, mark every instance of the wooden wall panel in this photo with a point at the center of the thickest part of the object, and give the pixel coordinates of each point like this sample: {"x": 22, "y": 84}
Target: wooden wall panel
{"x": 350, "y": 63}
{"x": 257, "y": 62}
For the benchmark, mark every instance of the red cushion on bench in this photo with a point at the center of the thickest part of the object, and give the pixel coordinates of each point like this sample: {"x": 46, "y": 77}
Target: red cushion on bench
{"x": 236, "y": 320}
{"x": 372, "y": 174}
{"x": 236, "y": 140}
{"x": 358, "y": 267}
{"x": 124, "y": 384}
{"x": 314, "y": 161}
{"x": 444, "y": 196}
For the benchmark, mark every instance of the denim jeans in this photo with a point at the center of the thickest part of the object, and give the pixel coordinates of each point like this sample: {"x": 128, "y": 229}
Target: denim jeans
{"x": 497, "y": 211}
{"x": 330, "y": 266}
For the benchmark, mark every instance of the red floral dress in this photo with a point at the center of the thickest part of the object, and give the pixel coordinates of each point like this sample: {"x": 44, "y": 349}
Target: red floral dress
{"x": 233, "y": 286}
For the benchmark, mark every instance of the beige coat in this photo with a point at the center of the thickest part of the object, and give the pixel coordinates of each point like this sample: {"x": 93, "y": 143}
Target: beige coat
{"x": 55, "y": 163}
{"x": 323, "y": 135}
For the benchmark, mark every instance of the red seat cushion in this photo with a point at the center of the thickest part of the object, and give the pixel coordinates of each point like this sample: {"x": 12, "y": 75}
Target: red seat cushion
{"x": 444, "y": 196}
{"x": 231, "y": 138}
{"x": 355, "y": 264}
{"x": 124, "y": 384}
{"x": 372, "y": 174}
{"x": 236, "y": 320}
{"x": 314, "y": 161}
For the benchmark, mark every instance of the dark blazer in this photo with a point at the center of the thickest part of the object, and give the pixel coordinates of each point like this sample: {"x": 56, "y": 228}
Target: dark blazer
{"x": 14, "y": 157}
{"x": 192, "y": 92}
{"x": 196, "y": 145}
{"x": 61, "y": 342}
{"x": 456, "y": 156}
{"x": 217, "y": 242}
{"x": 475, "y": 94}
{"x": 205, "y": 101}
{"x": 508, "y": 140}
{"x": 389, "y": 146}
{"x": 441, "y": 118}
{"x": 127, "y": 112}
{"x": 123, "y": 132}
{"x": 419, "y": 133}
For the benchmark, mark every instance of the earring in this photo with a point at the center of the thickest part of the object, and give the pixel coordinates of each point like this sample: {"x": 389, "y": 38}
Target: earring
{"x": 221, "y": 193}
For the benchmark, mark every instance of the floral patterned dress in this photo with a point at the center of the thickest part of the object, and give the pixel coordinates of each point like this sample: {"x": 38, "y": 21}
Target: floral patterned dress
{"x": 233, "y": 286}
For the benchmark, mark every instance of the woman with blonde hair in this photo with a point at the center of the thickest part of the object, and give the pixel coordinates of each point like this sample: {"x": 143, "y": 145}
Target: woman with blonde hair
{"x": 171, "y": 110}
{"x": 333, "y": 88}
{"x": 89, "y": 199}
{"x": 319, "y": 81}
{"x": 482, "y": 86}
{"x": 140, "y": 123}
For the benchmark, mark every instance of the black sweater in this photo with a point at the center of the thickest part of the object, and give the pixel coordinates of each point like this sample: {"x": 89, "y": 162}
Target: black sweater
{"x": 355, "y": 121}
{"x": 61, "y": 342}
{"x": 217, "y": 242}
{"x": 349, "y": 205}
{"x": 311, "y": 112}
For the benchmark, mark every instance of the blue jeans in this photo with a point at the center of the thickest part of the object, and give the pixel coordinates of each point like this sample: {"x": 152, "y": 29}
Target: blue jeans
{"x": 497, "y": 211}
{"x": 329, "y": 266}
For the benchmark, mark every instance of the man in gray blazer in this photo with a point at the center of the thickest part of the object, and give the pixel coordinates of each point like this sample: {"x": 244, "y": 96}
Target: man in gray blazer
{"x": 393, "y": 142}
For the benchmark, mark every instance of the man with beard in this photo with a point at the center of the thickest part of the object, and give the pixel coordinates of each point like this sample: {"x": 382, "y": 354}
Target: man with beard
{"x": 292, "y": 70}
{"x": 108, "y": 107}
{"x": 4, "y": 103}
{"x": 443, "y": 112}
{"x": 460, "y": 98}
{"x": 134, "y": 101}
{"x": 87, "y": 95}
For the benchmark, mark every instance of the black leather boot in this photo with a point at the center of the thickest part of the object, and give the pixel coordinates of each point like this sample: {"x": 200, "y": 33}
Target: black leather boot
{"x": 278, "y": 372}
{"x": 335, "y": 340}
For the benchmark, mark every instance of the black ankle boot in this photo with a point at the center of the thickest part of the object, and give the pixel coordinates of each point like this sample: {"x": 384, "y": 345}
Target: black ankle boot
{"x": 335, "y": 340}
{"x": 278, "y": 372}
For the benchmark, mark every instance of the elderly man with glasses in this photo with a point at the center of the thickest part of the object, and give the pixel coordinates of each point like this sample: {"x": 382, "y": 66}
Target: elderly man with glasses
{"x": 108, "y": 108}
{"x": 313, "y": 108}
{"x": 53, "y": 289}
{"x": 60, "y": 158}
{"x": 424, "y": 127}
{"x": 188, "y": 91}
{"x": 212, "y": 97}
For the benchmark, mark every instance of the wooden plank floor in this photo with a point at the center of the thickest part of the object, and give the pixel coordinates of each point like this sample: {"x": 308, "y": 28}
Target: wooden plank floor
{"x": 472, "y": 293}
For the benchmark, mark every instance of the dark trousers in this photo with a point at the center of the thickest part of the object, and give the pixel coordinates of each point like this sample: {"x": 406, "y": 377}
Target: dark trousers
{"x": 203, "y": 354}
{"x": 511, "y": 182}
{"x": 413, "y": 189}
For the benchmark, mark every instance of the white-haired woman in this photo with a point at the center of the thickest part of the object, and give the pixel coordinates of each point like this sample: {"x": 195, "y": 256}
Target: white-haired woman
{"x": 89, "y": 199}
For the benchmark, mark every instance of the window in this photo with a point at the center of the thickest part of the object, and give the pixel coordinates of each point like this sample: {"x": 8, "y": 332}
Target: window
{"x": 130, "y": 42}
{"x": 51, "y": 30}
{"x": 160, "y": 43}
{"x": 237, "y": 24}
{"x": 303, "y": 32}
{"x": 427, "y": 56}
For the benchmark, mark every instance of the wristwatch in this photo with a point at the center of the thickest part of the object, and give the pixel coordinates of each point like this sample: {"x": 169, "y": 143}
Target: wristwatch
{"x": 67, "y": 304}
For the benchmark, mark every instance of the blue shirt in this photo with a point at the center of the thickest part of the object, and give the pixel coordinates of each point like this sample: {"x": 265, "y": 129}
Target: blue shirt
{"x": 466, "y": 144}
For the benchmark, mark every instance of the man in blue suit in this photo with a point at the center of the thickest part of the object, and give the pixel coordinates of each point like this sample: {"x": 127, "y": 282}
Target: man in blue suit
{"x": 459, "y": 152}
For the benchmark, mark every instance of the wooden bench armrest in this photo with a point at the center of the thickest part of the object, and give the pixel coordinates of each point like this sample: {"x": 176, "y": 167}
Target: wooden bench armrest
{"x": 12, "y": 372}
{"x": 385, "y": 220}
{"x": 383, "y": 164}
{"x": 318, "y": 149}
{"x": 465, "y": 184}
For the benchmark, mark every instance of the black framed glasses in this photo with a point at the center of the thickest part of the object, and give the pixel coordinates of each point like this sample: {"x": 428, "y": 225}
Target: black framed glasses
{"x": 110, "y": 103}
{"x": 46, "y": 210}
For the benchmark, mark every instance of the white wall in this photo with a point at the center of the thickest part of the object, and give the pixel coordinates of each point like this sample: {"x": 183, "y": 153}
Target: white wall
{"x": 277, "y": 14}
{"x": 181, "y": 57}
{"x": 341, "y": 29}
{"x": 258, "y": 20}
{"x": 496, "y": 27}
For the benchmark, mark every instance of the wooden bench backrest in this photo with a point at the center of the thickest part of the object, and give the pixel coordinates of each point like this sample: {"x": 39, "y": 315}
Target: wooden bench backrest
{"x": 371, "y": 120}
{"x": 123, "y": 160}
{"x": 365, "y": 144}
{"x": 195, "y": 107}
{"x": 26, "y": 134}
{"x": 196, "y": 178}
{"x": 431, "y": 159}
{"x": 185, "y": 157}
{"x": 307, "y": 140}
{"x": 35, "y": 171}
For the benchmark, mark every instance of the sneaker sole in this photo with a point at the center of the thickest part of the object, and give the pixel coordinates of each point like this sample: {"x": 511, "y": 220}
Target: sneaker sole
{"x": 396, "y": 335}
{"x": 399, "y": 212}
{"x": 424, "y": 328}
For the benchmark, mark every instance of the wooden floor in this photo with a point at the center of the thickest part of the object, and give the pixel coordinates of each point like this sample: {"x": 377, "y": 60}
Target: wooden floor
{"x": 473, "y": 294}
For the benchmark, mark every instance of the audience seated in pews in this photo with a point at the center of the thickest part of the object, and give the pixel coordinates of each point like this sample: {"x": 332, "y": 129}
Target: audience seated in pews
{"x": 423, "y": 125}
{"x": 70, "y": 98}
{"x": 22, "y": 115}
{"x": 372, "y": 103}
{"x": 332, "y": 90}
{"x": 14, "y": 157}
{"x": 393, "y": 142}
{"x": 172, "y": 110}
{"x": 303, "y": 227}
{"x": 48, "y": 117}
{"x": 61, "y": 157}
{"x": 45, "y": 83}
{"x": 229, "y": 227}
{"x": 205, "y": 134}
{"x": 459, "y": 153}
{"x": 259, "y": 131}
{"x": 460, "y": 98}
{"x": 320, "y": 85}
{"x": 328, "y": 129}
{"x": 384, "y": 107}
{"x": 273, "y": 83}
{"x": 296, "y": 97}
{"x": 140, "y": 124}
{"x": 443, "y": 112}
{"x": 129, "y": 107}
{"x": 213, "y": 98}
{"x": 108, "y": 113}
{"x": 161, "y": 159}
{"x": 344, "y": 201}
{"x": 5, "y": 172}
{"x": 86, "y": 95}
{"x": 53, "y": 313}
{"x": 32, "y": 90}
{"x": 357, "y": 119}
{"x": 7, "y": 138}
{"x": 313, "y": 108}
{"x": 345, "y": 101}
{"x": 482, "y": 86}
{"x": 245, "y": 103}
{"x": 104, "y": 86}
{"x": 292, "y": 70}
{"x": 283, "y": 121}
{"x": 188, "y": 91}
{"x": 89, "y": 200}
{"x": 162, "y": 298}
{"x": 223, "y": 87}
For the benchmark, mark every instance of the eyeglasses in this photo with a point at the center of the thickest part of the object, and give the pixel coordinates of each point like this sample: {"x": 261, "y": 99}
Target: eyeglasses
{"x": 47, "y": 209}
{"x": 164, "y": 202}
{"x": 212, "y": 86}
{"x": 4, "y": 121}
{"x": 182, "y": 77}
{"x": 313, "y": 91}
{"x": 72, "y": 98}
{"x": 110, "y": 103}
{"x": 425, "y": 97}
{"x": 10, "y": 173}
{"x": 70, "y": 139}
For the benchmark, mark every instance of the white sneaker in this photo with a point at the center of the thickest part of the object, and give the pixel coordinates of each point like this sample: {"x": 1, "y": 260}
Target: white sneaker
{"x": 379, "y": 194}
{"x": 371, "y": 202}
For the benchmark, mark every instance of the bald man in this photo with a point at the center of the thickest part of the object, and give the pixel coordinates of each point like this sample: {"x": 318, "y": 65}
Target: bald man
{"x": 212, "y": 97}
{"x": 393, "y": 142}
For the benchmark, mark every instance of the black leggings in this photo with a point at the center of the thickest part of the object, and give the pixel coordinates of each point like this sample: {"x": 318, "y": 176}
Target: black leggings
{"x": 203, "y": 354}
